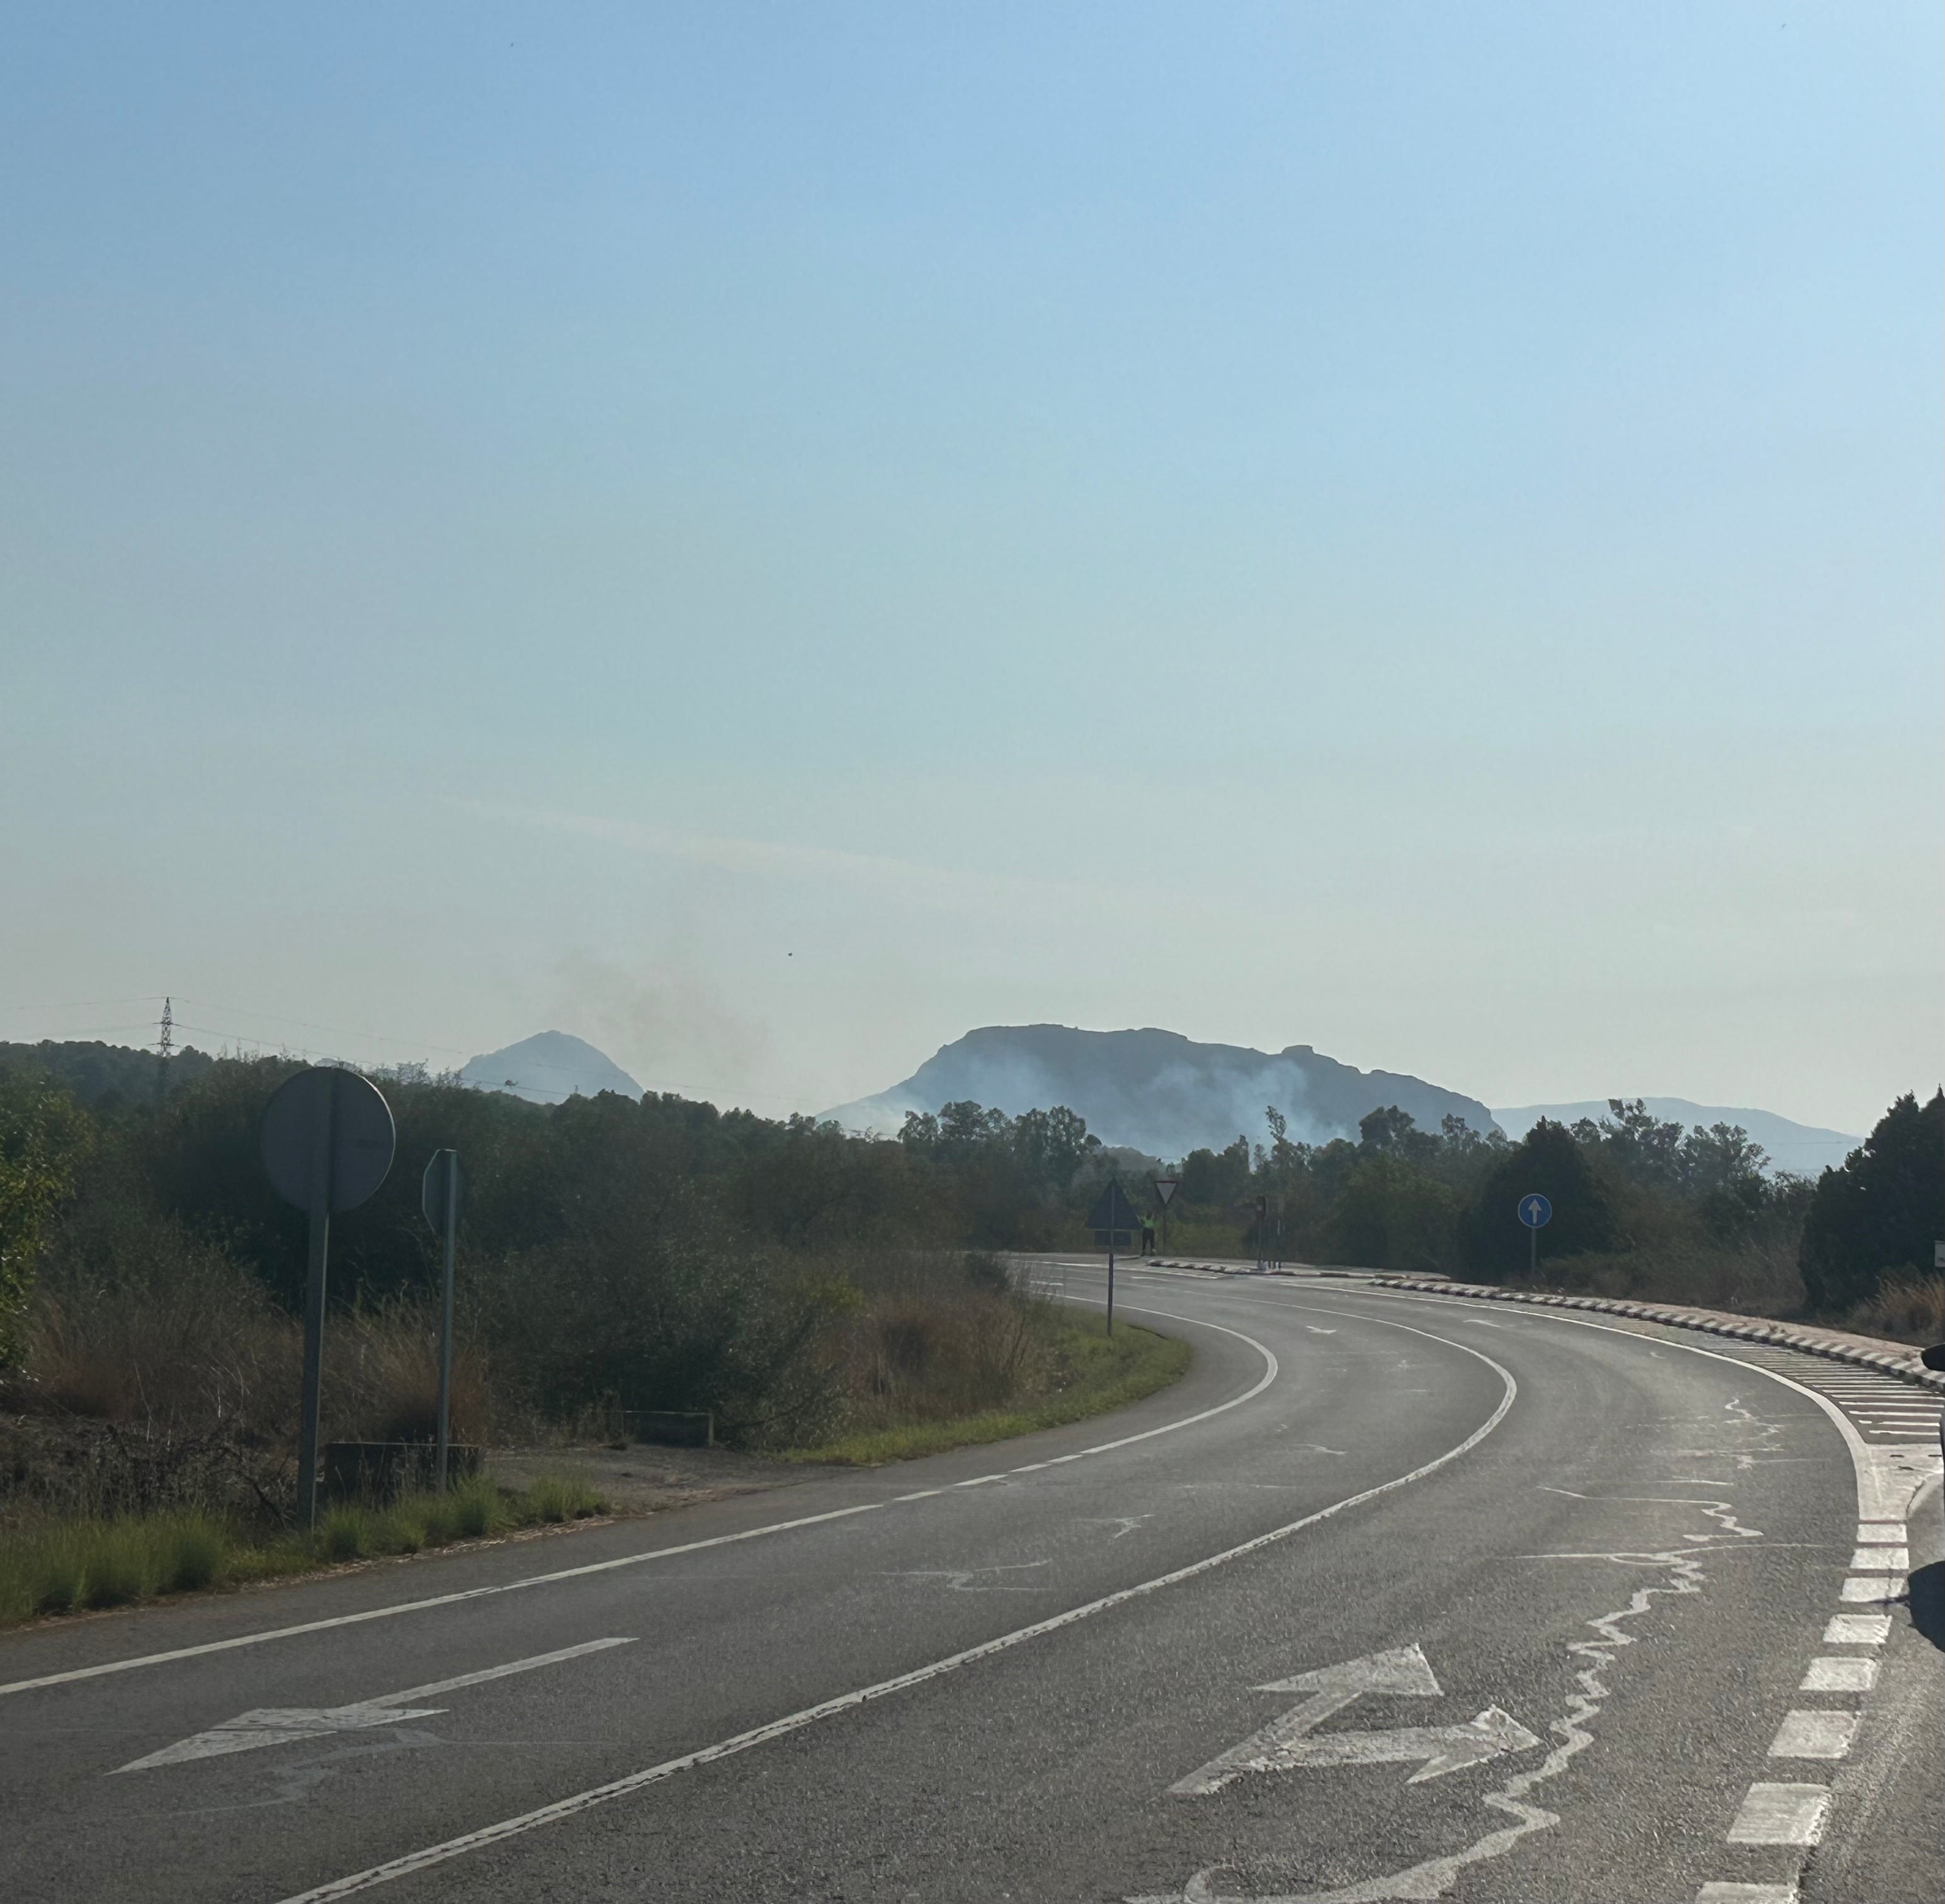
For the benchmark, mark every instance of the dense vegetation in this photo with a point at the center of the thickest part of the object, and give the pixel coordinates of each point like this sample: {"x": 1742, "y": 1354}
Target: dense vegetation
{"x": 803, "y": 1285}
{"x": 806, "y": 1288}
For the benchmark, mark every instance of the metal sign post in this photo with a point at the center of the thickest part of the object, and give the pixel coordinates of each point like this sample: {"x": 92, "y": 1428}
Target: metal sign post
{"x": 1534, "y": 1212}
{"x": 327, "y": 1144}
{"x": 440, "y": 1196}
{"x": 1112, "y": 1215}
{"x": 1165, "y": 1188}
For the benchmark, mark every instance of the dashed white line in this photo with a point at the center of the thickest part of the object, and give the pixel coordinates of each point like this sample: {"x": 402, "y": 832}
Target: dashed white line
{"x": 1781, "y": 1814}
{"x": 1806, "y": 1734}
{"x": 1857, "y": 1629}
{"x": 1891, "y": 1560}
{"x": 1746, "y": 1894}
{"x": 1839, "y": 1674}
{"x": 1872, "y": 1589}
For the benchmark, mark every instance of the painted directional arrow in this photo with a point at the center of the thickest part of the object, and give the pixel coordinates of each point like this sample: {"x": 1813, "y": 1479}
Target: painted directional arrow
{"x": 282, "y": 1725}
{"x": 1293, "y": 1740}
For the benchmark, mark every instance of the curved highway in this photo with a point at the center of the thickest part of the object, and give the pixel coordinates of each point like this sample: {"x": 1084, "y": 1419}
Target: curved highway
{"x": 1390, "y": 1598}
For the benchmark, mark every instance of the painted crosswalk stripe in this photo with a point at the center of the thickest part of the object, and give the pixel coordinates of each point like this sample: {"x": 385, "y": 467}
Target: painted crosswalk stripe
{"x": 1805, "y": 1734}
{"x": 1746, "y": 1894}
{"x": 1840, "y": 1675}
{"x": 1881, "y": 1533}
{"x": 1781, "y": 1814}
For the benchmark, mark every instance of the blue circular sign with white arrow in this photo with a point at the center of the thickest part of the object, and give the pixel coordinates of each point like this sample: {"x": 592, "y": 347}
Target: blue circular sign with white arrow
{"x": 1534, "y": 1210}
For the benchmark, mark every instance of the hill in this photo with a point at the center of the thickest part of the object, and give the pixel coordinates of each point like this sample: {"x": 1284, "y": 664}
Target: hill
{"x": 102, "y": 1076}
{"x": 1803, "y": 1149}
{"x": 1156, "y": 1090}
{"x": 547, "y": 1068}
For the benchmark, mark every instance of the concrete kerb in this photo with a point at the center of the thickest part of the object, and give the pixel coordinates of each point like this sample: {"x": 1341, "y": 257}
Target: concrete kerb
{"x": 1893, "y": 1359}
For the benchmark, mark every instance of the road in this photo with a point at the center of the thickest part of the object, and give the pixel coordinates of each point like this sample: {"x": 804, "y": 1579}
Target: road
{"x": 1390, "y": 1597}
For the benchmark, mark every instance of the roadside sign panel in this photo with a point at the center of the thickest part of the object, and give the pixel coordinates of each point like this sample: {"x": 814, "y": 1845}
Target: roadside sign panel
{"x": 1535, "y": 1210}
{"x": 1166, "y": 1187}
{"x": 1112, "y": 1210}
{"x": 341, "y": 1109}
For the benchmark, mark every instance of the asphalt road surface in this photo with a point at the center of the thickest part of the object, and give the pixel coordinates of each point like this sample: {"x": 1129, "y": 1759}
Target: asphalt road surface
{"x": 1391, "y": 1597}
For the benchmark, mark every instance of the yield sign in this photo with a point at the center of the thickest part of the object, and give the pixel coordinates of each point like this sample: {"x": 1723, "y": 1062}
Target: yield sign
{"x": 1166, "y": 1187}
{"x": 285, "y": 1725}
{"x": 1292, "y": 1741}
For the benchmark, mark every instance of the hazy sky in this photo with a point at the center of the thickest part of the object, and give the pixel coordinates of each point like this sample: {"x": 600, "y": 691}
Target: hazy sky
{"x": 767, "y": 536}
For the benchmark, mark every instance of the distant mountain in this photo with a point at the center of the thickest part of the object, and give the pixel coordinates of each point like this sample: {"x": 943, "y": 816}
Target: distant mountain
{"x": 1156, "y": 1090}
{"x": 548, "y": 1067}
{"x": 1802, "y": 1148}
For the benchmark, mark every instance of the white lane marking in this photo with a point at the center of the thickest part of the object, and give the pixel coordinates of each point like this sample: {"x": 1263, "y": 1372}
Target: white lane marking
{"x": 282, "y": 1725}
{"x": 1897, "y": 1560}
{"x": 1271, "y": 1369}
{"x": 1881, "y": 1533}
{"x": 1437, "y": 1877}
{"x": 1857, "y": 1629}
{"x": 1871, "y": 1589}
{"x": 1805, "y": 1734}
{"x": 1719, "y": 1893}
{"x": 1888, "y": 1476}
{"x": 1839, "y": 1674}
{"x": 634, "y": 1781}
{"x": 1781, "y": 1814}
{"x": 1403, "y": 1672}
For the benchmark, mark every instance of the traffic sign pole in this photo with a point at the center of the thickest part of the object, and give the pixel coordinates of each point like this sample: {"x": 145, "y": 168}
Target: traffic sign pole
{"x": 323, "y": 1133}
{"x": 445, "y": 1323}
{"x": 326, "y": 1142}
{"x": 1111, "y": 1282}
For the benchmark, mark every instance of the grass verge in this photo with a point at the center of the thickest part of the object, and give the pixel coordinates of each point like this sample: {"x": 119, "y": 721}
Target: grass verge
{"x": 70, "y": 1566}
{"x": 1101, "y": 1372}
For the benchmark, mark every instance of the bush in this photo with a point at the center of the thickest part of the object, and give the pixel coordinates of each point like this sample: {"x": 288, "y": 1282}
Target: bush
{"x": 1881, "y": 1211}
{"x": 1495, "y": 1243}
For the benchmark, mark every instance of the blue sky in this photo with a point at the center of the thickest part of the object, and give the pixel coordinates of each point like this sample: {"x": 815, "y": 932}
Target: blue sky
{"x": 768, "y": 536}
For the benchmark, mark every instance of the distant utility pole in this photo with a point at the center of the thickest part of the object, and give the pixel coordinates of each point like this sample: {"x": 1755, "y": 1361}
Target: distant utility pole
{"x": 165, "y": 1046}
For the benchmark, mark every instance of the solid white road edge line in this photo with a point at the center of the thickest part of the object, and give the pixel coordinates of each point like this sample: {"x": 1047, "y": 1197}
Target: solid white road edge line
{"x": 622, "y": 1788}
{"x": 1271, "y": 1370}
{"x": 1888, "y": 1476}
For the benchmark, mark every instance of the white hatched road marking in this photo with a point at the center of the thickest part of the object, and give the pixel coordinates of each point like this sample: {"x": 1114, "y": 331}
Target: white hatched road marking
{"x": 1781, "y": 1814}
{"x": 1805, "y": 1734}
{"x": 1881, "y": 1533}
{"x": 1746, "y": 1894}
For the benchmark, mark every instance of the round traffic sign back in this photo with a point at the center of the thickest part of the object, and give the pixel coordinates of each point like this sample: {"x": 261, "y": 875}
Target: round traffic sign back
{"x": 1534, "y": 1210}
{"x": 343, "y": 1112}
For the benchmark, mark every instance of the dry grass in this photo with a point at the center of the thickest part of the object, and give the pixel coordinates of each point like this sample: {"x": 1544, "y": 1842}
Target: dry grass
{"x": 1756, "y": 1280}
{"x": 909, "y": 1359}
{"x": 1906, "y": 1308}
{"x": 158, "y": 1375}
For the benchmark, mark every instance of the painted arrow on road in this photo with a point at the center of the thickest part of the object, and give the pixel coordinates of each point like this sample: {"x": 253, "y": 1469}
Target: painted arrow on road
{"x": 1293, "y": 1740}
{"x": 283, "y": 1725}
